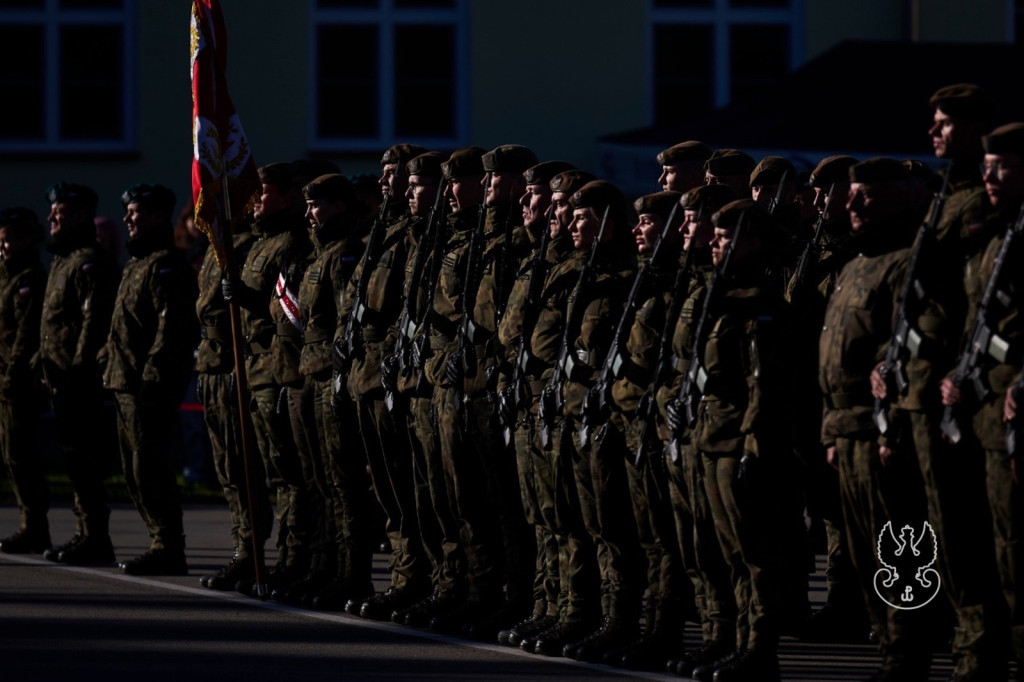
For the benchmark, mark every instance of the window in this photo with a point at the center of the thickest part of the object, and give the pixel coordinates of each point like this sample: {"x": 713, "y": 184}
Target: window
{"x": 387, "y": 71}
{"x": 64, "y": 73}
{"x": 706, "y": 53}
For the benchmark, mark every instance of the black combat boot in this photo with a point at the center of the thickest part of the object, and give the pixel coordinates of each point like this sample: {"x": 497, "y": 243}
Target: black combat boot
{"x": 526, "y": 628}
{"x": 240, "y": 568}
{"x": 91, "y": 550}
{"x": 31, "y": 539}
{"x": 163, "y": 561}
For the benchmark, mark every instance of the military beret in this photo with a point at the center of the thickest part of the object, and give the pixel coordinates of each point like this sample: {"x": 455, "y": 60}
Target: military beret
{"x": 542, "y": 173}
{"x": 514, "y": 158}
{"x": 156, "y": 197}
{"x": 831, "y": 169}
{"x": 691, "y": 150}
{"x": 878, "y": 169}
{"x": 402, "y": 153}
{"x": 756, "y": 220}
{"x": 331, "y": 187}
{"x": 276, "y": 174}
{"x": 659, "y": 203}
{"x": 770, "y": 169}
{"x": 570, "y": 181}
{"x": 599, "y": 195}
{"x": 464, "y": 161}
{"x": 729, "y": 162}
{"x": 305, "y": 171}
{"x": 428, "y": 164}
{"x": 707, "y": 198}
{"x": 964, "y": 100}
{"x": 72, "y": 193}
{"x": 18, "y": 216}
{"x": 1006, "y": 139}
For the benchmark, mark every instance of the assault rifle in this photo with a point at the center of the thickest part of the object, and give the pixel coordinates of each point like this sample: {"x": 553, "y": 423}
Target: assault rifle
{"x": 773, "y": 205}
{"x": 396, "y": 363}
{"x": 551, "y": 401}
{"x": 508, "y": 399}
{"x": 984, "y": 343}
{"x": 813, "y": 248}
{"x": 906, "y": 340}
{"x": 345, "y": 348}
{"x": 691, "y": 392}
{"x": 595, "y": 402}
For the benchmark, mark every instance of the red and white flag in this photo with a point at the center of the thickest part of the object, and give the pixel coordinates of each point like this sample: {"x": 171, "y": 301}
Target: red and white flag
{"x": 225, "y": 185}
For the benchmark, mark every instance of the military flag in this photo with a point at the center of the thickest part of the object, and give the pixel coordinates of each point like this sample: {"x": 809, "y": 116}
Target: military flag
{"x": 224, "y": 181}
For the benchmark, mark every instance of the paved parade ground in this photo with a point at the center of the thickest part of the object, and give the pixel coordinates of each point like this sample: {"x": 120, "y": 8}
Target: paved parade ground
{"x": 61, "y": 623}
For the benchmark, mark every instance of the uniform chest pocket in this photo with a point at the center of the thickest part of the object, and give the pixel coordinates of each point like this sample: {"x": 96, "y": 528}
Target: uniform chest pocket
{"x": 314, "y": 274}
{"x": 258, "y": 263}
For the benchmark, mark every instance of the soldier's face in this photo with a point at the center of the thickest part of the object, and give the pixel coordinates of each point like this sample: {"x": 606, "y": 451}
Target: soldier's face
{"x": 648, "y": 227}
{"x": 11, "y": 243}
{"x": 505, "y": 187}
{"x": 464, "y": 192}
{"x": 319, "y": 211}
{"x": 871, "y": 204}
{"x": 763, "y": 194}
{"x": 837, "y": 206}
{"x": 1004, "y": 179}
{"x": 392, "y": 180}
{"x": 64, "y": 218}
{"x": 696, "y": 229}
{"x": 535, "y": 202}
{"x": 138, "y": 220}
{"x": 272, "y": 200}
{"x": 584, "y": 228}
{"x": 955, "y": 137}
{"x": 561, "y": 214}
{"x": 681, "y": 177}
{"x": 420, "y": 193}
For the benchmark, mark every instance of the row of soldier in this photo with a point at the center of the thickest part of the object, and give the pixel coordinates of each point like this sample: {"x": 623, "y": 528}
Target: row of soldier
{"x": 584, "y": 432}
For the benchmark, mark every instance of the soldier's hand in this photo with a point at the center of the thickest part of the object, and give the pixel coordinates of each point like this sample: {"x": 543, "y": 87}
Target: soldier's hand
{"x": 831, "y": 457}
{"x": 227, "y": 290}
{"x": 950, "y": 392}
{"x": 878, "y": 387}
{"x": 1010, "y": 405}
{"x": 674, "y": 415}
{"x": 884, "y": 454}
{"x": 149, "y": 393}
{"x": 281, "y": 406}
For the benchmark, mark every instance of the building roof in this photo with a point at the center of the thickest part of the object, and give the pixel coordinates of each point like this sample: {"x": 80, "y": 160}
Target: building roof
{"x": 859, "y": 97}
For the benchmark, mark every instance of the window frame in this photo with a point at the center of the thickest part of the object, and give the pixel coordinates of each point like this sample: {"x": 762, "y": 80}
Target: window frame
{"x": 386, "y": 16}
{"x": 721, "y": 17}
{"x": 52, "y": 17}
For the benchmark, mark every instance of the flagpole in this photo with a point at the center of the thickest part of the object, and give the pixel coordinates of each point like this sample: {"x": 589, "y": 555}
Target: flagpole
{"x": 241, "y": 393}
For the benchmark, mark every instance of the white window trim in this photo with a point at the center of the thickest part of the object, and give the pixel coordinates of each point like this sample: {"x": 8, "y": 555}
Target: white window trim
{"x": 387, "y": 16}
{"x": 721, "y": 16}
{"x": 51, "y": 17}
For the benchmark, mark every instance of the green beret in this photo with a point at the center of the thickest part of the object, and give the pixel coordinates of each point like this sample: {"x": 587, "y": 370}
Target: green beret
{"x": 428, "y": 164}
{"x": 1006, "y": 139}
{"x": 921, "y": 170}
{"x": 402, "y": 153}
{"x": 72, "y": 193}
{"x": 770, "y": 171}
{"x": 464, "y": 161}
{"x": 691, "y": 150}
{"x": 570, "y": 181}
{"x": 964, "y": 100}
{"x": 707, "y": 198}
{"x": 154, "y": 197}
{"x": 729, "y": 162}
{"x": 306, "y": 170}
{"x": 542, "y": 173}
{"x": 514, "y": 158}
{"x": 831, "y": 169}
{"x": 276, "y": 174}
{"x": 659, "y": 203}
{"x": 756, "y": 221}
{"x": 878, "y": 169}
{"x": 331, "y": 187}
{"x": 599, "y": 195}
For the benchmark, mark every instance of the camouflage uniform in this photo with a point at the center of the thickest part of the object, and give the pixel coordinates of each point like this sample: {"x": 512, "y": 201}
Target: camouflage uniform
{"x": 22, "y": 285}
{"x": 149, "y": 359}
{"x": 77, "y": 308}
{"x": 338, "y": 463}
{"x": 215, "y": 364}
